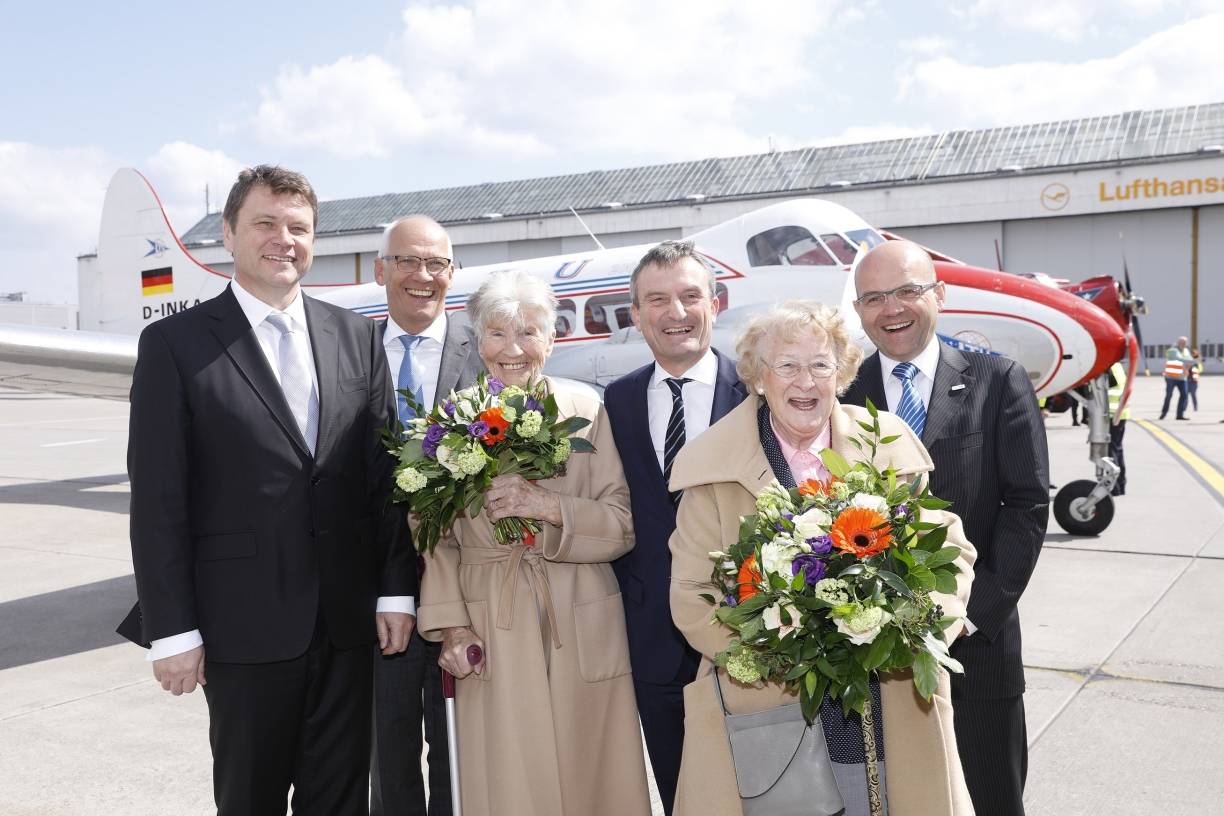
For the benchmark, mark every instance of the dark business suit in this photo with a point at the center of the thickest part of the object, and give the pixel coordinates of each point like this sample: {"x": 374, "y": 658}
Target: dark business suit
{"x": 662, "y": 661}
{"x": 275, "y": 555}
{"x": 988, "y": 443}
{"x": 408, "y": 686}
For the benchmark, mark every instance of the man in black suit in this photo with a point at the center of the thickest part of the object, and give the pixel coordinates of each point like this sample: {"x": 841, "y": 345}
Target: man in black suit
{"x": 429, "y": 354}
{"x": 653, "y": 412}
{"x": 258, "y": 524}
{"x": 978, "y": 416}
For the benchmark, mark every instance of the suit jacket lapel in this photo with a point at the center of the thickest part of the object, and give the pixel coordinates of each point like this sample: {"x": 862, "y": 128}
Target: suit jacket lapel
{"x": 236, "y": 337}
{"x": 945, "y": 402}
{"x": 326, "y": 349}
{"x": 643, "y": 445}
{"x": 455, "y": 353}
{"x": 728, "y": 390}
{"x": 871, "y": 382}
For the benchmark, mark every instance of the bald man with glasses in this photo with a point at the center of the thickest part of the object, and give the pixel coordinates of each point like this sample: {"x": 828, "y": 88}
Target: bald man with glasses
{"x": 430, "y": 353}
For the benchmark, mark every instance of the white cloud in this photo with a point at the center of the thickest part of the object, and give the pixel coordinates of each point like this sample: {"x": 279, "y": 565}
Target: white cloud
{"x": 1182, "y": 65}
{"x": 1067, "y": 19}
{"x": 525, "y": 78}
{"x": 179, "y": 172}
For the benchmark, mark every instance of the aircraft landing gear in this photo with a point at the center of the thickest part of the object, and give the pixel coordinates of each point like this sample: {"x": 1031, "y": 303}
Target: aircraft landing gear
{"x": 1085, "y": 507}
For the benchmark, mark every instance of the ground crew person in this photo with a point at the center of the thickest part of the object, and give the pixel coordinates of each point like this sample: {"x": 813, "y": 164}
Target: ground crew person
{"x": 1117, "y": 384}
{"x": 1176, "y": 373}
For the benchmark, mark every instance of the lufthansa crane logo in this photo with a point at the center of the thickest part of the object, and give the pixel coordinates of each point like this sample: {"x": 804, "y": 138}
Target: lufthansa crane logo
{"x": 1055, "y": 196}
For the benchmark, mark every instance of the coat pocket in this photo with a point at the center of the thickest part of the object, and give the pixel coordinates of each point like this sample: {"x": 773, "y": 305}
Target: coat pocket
{"x": 354, "y": 384}
{"x": 225, "y": 545}
{"x": 603, "y": 648}
{"x": 478, "y": 613}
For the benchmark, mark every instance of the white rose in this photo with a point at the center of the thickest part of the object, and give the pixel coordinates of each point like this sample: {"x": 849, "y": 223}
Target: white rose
{"x": 815, "y": 522}
{"x": 777, "y": 555}
{"x": 448, "y": 459}
{"x": 871, "y": 502}
{"x": 772, "y": 618}
{"x": 863, "y": 625}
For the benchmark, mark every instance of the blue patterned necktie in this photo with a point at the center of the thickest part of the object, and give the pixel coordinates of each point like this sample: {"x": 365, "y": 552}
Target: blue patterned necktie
{"x": 911, "y": 408}
{"x": 408, "y": 380}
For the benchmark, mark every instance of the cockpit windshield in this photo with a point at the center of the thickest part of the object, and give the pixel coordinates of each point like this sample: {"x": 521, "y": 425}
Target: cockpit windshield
{"x": 872, "y": 238}
{"x": 796, "y": 246}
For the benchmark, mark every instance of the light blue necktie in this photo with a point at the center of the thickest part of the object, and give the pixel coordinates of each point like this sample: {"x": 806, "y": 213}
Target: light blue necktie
{"x": 911, "y": 408}
{"x": 407, "y": 380}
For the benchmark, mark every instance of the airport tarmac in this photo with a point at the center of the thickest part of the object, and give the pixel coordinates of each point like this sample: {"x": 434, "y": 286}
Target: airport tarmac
{"x": 1123, "y": 642}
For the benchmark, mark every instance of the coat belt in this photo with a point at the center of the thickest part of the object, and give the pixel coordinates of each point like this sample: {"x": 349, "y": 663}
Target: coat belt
{"x": 517, "y": 556}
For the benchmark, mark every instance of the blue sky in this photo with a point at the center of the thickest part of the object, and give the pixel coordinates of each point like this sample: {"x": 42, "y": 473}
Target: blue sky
{"x": 385, "y": 96}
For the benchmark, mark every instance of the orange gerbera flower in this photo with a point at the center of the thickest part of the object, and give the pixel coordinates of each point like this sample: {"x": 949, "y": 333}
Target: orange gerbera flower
{"x": 860, "y": 530}
{"x": 497, "y": 426}
{"x": 815, "y": 487}
{"x": 748, "y": 578}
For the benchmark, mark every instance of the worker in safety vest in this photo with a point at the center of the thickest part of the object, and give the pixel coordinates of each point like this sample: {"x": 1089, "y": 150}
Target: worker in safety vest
{"x": 1176, "y": 373}
{"x": 1117, "y": 424}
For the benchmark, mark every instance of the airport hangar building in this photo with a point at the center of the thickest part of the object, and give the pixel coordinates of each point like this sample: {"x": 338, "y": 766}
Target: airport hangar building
{"x": 1069, "y": 199}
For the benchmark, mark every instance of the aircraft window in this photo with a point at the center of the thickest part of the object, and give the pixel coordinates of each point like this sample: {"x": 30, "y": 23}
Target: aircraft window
{"x": 605, "y": 314}
{"x": 843, "y": 249}
{"x": 787, "y": 245}
{"x": 858, "y": 236}
{"x": 567, "y": 318}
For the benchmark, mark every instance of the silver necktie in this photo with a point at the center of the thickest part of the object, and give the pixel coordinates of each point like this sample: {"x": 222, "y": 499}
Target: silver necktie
{"x": 293, "y": 361}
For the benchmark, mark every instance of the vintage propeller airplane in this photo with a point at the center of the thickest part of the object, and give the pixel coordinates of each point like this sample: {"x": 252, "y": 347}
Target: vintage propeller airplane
{"x": 796, "y": 248}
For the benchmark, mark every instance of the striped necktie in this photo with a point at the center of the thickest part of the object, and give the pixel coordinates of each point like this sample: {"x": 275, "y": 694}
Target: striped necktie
{"x": 297, "y": 384}
{"x": 408, "y": 379}
{"x": 674, "y": 440}
{"x": 911, "y": 408}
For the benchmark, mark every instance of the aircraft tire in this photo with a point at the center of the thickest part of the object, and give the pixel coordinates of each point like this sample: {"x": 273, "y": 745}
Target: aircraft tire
{"x": 1102, "y": 513}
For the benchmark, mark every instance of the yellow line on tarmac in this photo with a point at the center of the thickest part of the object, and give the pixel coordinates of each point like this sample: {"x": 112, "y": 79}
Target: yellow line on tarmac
{"x": 1200, "y": 466}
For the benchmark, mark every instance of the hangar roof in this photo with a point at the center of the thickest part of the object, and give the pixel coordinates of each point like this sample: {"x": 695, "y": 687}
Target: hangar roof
{"x": 1124, "y": 138}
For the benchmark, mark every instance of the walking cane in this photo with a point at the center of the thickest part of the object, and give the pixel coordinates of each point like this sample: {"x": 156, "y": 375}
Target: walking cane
{"x": 474, "y": 656}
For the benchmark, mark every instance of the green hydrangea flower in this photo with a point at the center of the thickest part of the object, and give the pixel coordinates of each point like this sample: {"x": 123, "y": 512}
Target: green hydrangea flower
{"x": 471, "y": 461}
{"x": 562, "y": 451}
{"x": 410, "y": 480}
{"x": 832, "y": 590}
{"x": 742, "y": 667}
{"x": 529, "y": 424}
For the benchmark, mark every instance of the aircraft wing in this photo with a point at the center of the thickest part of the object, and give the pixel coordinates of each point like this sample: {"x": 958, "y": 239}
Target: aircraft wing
{"x": 91, "y": 364}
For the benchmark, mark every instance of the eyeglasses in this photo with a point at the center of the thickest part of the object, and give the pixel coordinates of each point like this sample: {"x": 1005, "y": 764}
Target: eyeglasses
{"x": 909, "y": 293}
{"x": 789, "y": 369}
{"x": 411, "y": 263}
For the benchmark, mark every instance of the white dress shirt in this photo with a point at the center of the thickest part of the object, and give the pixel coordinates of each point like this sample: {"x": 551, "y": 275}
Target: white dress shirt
{"x": 426, "y": 357}
{"x": 924, "y": 380}
{"x": 268, "y": 337}
{"x": 698, "y": 402}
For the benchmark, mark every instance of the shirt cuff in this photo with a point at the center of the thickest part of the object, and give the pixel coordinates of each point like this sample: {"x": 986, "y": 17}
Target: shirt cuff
{"x": 969, "y": 627}
{"x": 173, "y": 645}
{"x": 397, "y": 603}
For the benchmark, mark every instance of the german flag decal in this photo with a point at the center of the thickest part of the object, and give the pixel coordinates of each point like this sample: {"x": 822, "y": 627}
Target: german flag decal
{"x": 158, "y": 281}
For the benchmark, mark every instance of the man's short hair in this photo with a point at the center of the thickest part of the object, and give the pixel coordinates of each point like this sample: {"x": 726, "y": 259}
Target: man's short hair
{"x": 669, "y": 253}
{"x": 277, "y": 179}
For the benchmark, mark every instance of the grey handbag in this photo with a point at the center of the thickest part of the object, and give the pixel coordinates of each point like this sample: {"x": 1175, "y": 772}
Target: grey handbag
{"x": 782, "y": 764}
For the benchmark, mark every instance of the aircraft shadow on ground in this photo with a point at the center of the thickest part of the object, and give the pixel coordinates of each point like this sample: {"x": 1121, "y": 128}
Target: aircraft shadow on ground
{"x": 64, "y": 622}
{"x": 79, "y": 493}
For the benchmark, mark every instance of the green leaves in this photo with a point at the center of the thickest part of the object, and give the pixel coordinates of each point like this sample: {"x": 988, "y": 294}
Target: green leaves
{"x": 926, "y": 674}
{"x": 835, "y": 462}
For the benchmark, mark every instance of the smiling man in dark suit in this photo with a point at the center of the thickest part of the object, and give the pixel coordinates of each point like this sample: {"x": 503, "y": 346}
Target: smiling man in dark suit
{"x": 262, "y": 549}
{"x": 429, "y": 354}
{"x": 653, "y": 412}
{"x": 978, "y": 417}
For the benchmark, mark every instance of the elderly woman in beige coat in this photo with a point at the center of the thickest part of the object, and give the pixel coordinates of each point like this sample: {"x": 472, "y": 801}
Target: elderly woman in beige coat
{"x": 797, "y": 358}
{"x": 548, "y": 725}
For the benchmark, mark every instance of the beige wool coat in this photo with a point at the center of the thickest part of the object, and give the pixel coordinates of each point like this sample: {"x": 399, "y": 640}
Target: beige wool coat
{"x": 550, "y": 727}
{"x": 721, "y": 473}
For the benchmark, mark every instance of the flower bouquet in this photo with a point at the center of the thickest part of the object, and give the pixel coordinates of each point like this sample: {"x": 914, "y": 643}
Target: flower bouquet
{"x": 832, "y": 581}
{"x": 449, "y": 456}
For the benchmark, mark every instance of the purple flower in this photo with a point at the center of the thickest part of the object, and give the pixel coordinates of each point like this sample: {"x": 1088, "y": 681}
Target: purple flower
{"x": 478, "y": 428}
{"x": 448, "y": 408}
{"x": 902, "y": 511}
{"x": 810, "y": 565}
{"x": 730, "y": 600}
{"x": 434, "y": 434}
{"x": 821, "y": 545}
{"x": 788, "y": 516}
{"x": 533, "y": 404}
{"x": 430, "y": 449}
{"x": 778, "y": 526}
{"x": 496, "y": 386}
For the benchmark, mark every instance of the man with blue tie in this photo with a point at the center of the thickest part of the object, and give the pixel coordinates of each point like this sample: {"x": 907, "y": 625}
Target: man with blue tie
{"x": 654, "y": 411}
{"x": 429, "y": 354}
{"x": 977, "y": 415}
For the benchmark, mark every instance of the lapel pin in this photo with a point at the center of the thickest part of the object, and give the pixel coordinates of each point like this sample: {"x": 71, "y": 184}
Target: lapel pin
{"x": 956, "y": 387}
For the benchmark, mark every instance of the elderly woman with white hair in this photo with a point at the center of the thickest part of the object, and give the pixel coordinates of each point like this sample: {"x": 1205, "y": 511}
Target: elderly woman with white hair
{"x": 797, "y": 357}
{"x": 548, "y": 725}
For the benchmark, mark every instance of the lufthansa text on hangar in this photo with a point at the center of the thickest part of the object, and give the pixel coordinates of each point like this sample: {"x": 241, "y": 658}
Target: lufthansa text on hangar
{"x": 1072, "y": 199}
